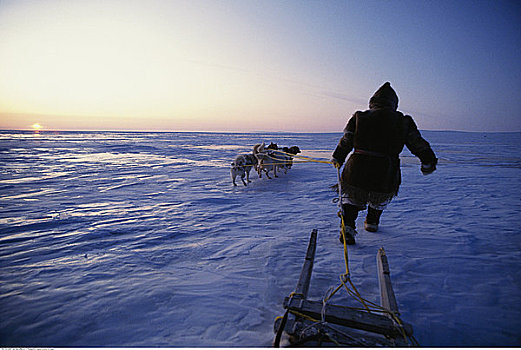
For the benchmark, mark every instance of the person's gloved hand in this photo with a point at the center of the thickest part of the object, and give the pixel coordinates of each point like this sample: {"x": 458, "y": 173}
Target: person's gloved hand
{"x": 336, "y": 163}
{"x": 428, "y": 168}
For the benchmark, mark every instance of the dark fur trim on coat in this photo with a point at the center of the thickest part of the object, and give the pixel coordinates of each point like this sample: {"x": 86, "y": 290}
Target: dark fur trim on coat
{"x": 359, "y": 195}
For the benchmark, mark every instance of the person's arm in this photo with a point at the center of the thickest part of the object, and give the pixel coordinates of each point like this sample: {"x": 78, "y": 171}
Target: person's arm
{"x": 420, "y": 147}
{"x": 345, "y": 145}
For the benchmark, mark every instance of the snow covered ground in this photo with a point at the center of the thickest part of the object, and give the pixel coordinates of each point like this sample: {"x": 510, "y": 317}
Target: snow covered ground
{"x": 140, "y": 239}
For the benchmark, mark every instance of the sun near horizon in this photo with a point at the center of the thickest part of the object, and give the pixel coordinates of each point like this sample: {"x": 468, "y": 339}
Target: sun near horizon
{"x": 36, "y": 126}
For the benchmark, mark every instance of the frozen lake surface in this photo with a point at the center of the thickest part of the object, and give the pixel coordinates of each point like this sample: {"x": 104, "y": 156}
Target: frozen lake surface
{"x": 140, "y": 239}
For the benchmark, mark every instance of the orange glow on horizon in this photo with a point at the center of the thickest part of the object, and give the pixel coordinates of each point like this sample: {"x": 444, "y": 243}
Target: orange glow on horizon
{"x": 125, "y": 69}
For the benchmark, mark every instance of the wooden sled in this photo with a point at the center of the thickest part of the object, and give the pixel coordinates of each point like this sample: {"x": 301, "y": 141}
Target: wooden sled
{"x": 343, "y": 326}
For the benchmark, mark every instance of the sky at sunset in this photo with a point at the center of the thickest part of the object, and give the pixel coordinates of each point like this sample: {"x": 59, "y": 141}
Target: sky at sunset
{"x": 288, "y": 65}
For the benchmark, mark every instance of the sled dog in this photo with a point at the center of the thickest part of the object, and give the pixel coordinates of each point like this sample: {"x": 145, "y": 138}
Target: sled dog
{"x": 294, "y": 150}
{"x": 266, "y": 160}
{"x": 241, "y": 166}
{"x": 284, "y": 157}
{"x": 288, "y": 158}
{"x": 272, "y": 146}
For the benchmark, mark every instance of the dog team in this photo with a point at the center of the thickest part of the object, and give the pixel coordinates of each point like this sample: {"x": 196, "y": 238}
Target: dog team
{"x": 263, "y": 159}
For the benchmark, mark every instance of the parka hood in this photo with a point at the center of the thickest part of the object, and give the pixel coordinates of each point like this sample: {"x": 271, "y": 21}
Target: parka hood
{"x": 384, "y": 97}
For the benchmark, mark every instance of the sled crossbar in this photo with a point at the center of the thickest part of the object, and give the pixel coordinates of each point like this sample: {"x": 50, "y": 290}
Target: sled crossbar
{"x": 300, "y": 308}
{"x": 345, "y": 316}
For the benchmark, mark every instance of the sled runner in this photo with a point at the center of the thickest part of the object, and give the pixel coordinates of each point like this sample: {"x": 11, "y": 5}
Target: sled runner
{"x": 308, "y": 323}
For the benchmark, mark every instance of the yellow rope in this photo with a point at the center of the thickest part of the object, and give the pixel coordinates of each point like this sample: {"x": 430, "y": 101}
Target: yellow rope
{"x": 346, "y": 277}
{"x": 343, "y": 228}
{"x": 309, "y": 318}
{"x": 309, "y": 159}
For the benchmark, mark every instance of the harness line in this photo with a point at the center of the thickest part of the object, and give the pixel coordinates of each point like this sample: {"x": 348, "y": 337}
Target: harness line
{"x": 308, "y": 159}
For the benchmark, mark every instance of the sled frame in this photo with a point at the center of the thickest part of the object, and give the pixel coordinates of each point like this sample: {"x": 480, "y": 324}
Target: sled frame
{"x": 364, "y": 328}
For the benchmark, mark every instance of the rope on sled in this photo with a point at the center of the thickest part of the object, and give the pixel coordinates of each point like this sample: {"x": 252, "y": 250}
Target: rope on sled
{"x": 347, "y": 283}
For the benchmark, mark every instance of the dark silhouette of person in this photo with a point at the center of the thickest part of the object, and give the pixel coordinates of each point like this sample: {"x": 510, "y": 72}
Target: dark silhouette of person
{"x": 371, "y": 176}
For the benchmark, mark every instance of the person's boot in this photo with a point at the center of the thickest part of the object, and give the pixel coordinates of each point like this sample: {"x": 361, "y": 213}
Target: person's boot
{"x": 372, "y": 219}
{"x": 350, "y": 215}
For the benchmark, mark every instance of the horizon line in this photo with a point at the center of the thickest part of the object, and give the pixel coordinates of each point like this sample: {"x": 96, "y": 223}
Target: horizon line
{"x": 232, "y": 132}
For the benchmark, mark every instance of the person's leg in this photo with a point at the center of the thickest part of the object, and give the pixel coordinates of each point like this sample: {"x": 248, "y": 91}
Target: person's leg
{"x": 353, "y": 200}
{"x": 350, "y": 214}
{"x": 372, "y": 219}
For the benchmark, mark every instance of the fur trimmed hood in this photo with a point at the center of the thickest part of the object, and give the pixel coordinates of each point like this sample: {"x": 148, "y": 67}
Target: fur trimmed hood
{"x": 384, "y": 97}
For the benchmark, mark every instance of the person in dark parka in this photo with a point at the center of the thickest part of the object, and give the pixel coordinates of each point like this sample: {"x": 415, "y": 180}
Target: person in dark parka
{"x": 372, "y": 175}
